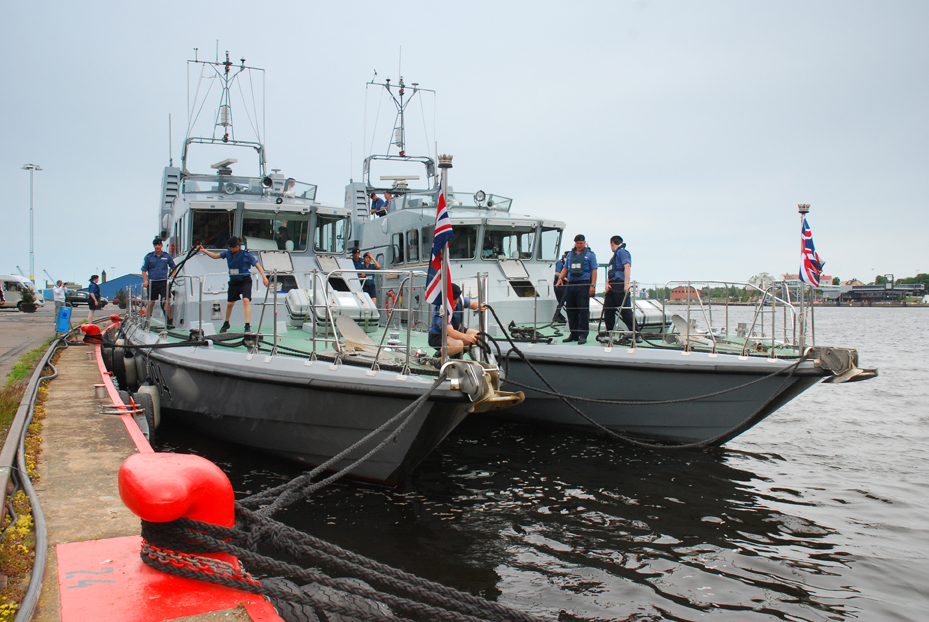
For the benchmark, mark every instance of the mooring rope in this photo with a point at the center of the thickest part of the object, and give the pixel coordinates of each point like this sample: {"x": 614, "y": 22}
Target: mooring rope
{"x": 302, "y": 486}
{"x": 423, "y": 598}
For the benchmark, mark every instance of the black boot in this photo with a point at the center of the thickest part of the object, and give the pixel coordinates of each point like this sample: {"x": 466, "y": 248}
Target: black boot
{"x": 224, "y": 327}
{"x": 248, "y": 328}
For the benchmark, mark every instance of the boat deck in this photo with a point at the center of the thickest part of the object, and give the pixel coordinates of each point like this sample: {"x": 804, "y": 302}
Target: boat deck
{"x": 298, "y": 343}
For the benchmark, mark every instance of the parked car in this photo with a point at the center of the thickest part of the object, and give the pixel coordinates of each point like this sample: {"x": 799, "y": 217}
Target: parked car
{"x": 76, "y": 299}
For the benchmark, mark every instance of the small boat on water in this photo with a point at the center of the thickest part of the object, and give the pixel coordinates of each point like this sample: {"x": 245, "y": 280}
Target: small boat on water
{"x": 688, "y": 381}
{"x": 321, "y": 386}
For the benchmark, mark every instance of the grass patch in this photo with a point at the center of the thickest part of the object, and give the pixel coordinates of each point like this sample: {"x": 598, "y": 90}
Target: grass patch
{"x": 17, "y": 548}
{"x": 15, "y": 386}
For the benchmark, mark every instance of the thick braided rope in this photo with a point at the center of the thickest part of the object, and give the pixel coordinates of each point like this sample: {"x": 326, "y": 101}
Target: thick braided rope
{"x": 446, "y": 610}
{"x": 301, "y": 545}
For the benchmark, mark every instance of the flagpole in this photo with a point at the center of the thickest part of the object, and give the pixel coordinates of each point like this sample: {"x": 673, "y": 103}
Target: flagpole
{"x": 803, "y": 209}
{"x": 445, "y": 163}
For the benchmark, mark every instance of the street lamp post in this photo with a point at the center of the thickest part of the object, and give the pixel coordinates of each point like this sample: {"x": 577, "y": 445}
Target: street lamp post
{"x": 32, "y": 168}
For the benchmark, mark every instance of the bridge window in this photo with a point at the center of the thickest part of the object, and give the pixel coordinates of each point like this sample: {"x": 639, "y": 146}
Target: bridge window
{"x": 549, "y": 244}
{"x": 212, "y": 228}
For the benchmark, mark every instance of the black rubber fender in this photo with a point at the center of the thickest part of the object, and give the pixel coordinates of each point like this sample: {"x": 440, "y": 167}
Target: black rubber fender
{"x": 290, "y": 611}
{"x": 145, "y": 402}
{"x": 119, "y": 368}
{"x": 327, "y": 594}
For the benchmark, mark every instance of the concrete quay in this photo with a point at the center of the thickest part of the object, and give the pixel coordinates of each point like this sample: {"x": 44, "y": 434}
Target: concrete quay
{"x": 22, "y": 332}
{"x": 82, "y": 451}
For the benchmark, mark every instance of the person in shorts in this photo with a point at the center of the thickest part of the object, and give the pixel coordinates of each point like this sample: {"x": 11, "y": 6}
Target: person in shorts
{"x": 240, "y": 263}
{"x": 156, "y": 268}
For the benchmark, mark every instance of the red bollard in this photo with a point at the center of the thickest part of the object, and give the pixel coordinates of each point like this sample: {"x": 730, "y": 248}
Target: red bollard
{"x": 91, "y": 333}
{"x": 161, "y": 487}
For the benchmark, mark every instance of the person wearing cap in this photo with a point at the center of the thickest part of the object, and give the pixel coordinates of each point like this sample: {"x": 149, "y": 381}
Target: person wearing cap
{"x": 156, "y": 267}
{"x": 457, "y": 335}
{"x": 617, "y": 288}
{"x": 240, "y": 263}
{"x": 580, "y": 273}
{"x": 94, "y": 303}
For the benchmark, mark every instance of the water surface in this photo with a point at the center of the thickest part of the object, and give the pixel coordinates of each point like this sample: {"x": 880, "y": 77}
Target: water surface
{"x": 817, "y": 513}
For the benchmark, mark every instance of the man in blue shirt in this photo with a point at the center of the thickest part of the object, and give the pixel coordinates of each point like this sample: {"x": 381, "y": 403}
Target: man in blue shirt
{"x": 240, "y": 279}
{"x": 580, "y": 271}
{"x": 379, "y": 207}
{"x": 94, "y": 302}
{"x": 367, "y": 280}
{"x": 456, "y": 334}
{"x": 617, "y": 290}
{"x": 156, "y": 267}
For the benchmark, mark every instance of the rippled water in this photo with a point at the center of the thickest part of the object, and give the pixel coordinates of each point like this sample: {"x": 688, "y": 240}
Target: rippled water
{"x": 818, "y": 513}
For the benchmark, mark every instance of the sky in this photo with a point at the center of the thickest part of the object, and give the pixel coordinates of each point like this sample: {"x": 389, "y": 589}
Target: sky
{"x": 693, "y": 130}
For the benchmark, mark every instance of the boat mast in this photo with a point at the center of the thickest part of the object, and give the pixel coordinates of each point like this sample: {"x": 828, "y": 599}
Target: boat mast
{"x": 804, "y": 209}
{"x": 401, "y": 99}
{"x": 227, "y": 73}
{"x": 445, "y": 163}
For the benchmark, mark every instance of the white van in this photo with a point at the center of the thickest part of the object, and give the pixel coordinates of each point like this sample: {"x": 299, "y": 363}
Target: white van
{"x": 12, "y": 286}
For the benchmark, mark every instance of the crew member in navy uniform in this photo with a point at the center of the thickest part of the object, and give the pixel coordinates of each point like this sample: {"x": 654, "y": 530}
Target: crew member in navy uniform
{"x": 558, "y": 318}
{"x": 155, "y": 270}
{"x": 379, "y": 207}
{"x": 580, "y": 270}
{"x": 240, "y": 279}
{"x": 456, "y": 335}
{"x": 617, "y": 289}
{"x": 367, "y": 280}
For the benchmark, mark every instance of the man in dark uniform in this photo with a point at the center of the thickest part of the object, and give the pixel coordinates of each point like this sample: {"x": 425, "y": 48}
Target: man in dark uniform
{"x": 367, "y": 280}
{"x": 617, "y": 290}
{"x": 155, "y": 270}
{"x": 240, "y": 279}
{"x": 456, "y": 334}
{"x": 580, "y": 270}
{"x": 379, "y": 207}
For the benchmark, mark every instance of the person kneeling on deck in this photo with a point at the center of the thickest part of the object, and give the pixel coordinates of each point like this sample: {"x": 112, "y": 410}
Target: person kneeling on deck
{"x": 455, "y": 338}
{"x": 240, "y": 279}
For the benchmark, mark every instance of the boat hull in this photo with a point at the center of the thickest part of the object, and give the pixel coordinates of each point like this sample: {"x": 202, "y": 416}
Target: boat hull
{"x": 650, "y": 376}
{"x": 307, "y": 414}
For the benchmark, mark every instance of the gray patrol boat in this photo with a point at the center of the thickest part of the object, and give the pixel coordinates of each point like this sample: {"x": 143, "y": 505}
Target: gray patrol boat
{"x": 317, "y": 379}
{"x": 703, "y": 371}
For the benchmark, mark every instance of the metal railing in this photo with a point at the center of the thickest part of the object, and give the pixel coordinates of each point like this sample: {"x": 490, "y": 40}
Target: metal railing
{"x": 766, "y": 302}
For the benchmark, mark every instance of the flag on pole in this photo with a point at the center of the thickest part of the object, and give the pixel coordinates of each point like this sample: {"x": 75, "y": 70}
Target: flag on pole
{"x": 811, "y": 266}
{"x": 443, "y": 234}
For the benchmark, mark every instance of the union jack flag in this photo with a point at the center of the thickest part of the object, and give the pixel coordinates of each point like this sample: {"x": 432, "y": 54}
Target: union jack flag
{"x": 443, "y": 235}
{"x": 811, "y": 266}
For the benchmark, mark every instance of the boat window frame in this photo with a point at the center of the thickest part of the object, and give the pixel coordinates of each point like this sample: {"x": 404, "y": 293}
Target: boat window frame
{"x": 550, "y": 226}
{"x": 397, "y": 256}
{"x": 334, "y": 218}
{"x": 412, "y": 245}
{"x": 427, "y": 239}
{"x": 195, "y": 212}
{"x": 523, "y": 228}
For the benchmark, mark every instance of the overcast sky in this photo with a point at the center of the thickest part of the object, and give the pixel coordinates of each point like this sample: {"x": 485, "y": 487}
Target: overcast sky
{"x": 691, "y": 129}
